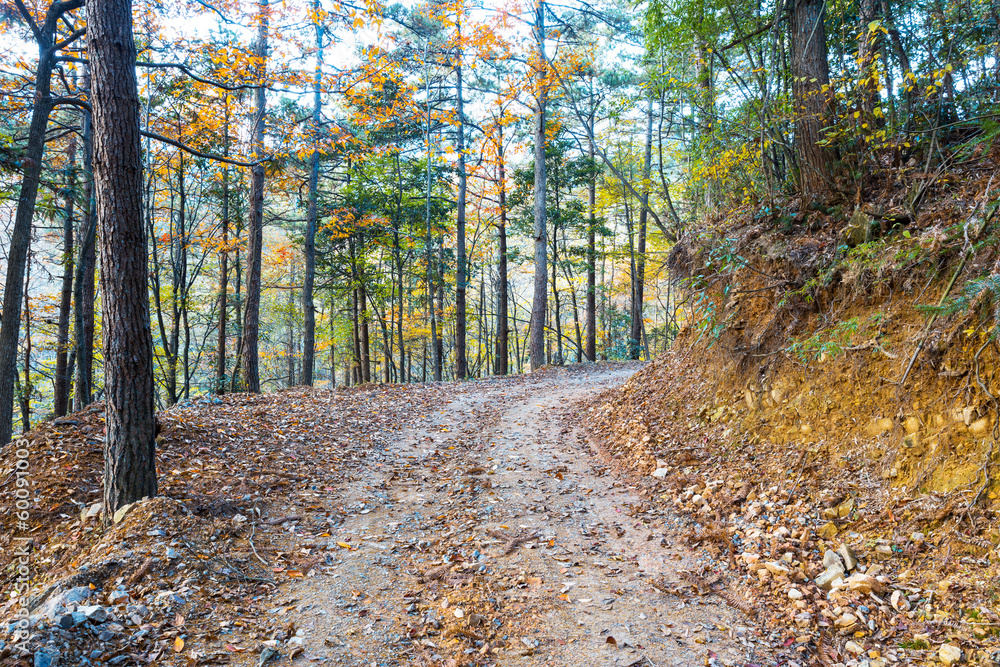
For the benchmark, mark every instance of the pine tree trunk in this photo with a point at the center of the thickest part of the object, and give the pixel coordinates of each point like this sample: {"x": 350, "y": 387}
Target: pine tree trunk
{"x": 500, "y": 366}
{"x": 255, "y": 222}
{"x": 20, "y": 235}
{"x": 83, "y": 282}
{"x": 810, "y": 73}
{"x": 308, "y": 304}
{"x": 129, "y": 446}
{"x": 461, "y": 270}
{"x": 60, "y": 401}
{"x": 591, "y": 317}
{"x": 538, "y": 305}
{"x": 220, "y": 350}
{"x": 639, "y": 279}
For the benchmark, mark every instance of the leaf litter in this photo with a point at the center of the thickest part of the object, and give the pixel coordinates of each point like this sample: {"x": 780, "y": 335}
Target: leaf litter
{"x": 452, "y": 525}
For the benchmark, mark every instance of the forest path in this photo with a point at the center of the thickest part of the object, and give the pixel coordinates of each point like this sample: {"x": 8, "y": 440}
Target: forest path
{"x": 489, "y": 533}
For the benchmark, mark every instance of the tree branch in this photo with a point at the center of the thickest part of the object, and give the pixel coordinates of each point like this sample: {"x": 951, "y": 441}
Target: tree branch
{"x": 72, "y": 101}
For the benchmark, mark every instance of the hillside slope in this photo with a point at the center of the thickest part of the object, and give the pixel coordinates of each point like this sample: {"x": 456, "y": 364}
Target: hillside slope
{"x": 834, "y": 387}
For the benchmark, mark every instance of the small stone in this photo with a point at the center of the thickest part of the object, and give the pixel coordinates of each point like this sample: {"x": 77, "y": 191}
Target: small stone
{"x": 776, "y": 568}
{"x": 845, "y": 508}
{"x": 46, "y": 657}
{"x": 846, "y": 621}
{"x": 854, "y": 648}
{"x": 795, "y": 594}
{"x": 660, "y": 473}
{"x": 882, "y": 551}
{"x": 829, "y": 577}
{"x": 94, "y": 613}
{"x": 911, "y": 424}
{"x": 459, "y": 613}
{"x": 750, "y": 558}
{"x": 94, "y": 511}
{"x": 123, "y": 512}
{"x": 950, "y": 654}
{"x": 172, "y": 553}
{"x": 847, "y": 555}
{"x": 828, "y": 531}
{"x": 859, "y": 582}
{"x": 879, "y": 426}
{"x": 899, "y": 601}
{"x": 831, "y": 559}
{"x": 978, "y": 427}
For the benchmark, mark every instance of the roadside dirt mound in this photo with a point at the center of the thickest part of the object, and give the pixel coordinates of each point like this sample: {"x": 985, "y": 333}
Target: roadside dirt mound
{"x": 832, "y": 396}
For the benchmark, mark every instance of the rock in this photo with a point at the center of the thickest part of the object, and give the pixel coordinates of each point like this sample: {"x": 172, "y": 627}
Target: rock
{"x": 845, "y": 508}
{"x": 94, "y": 613}
{"x": 122, "y": 513}
{"x": 828, "y": 577}
{"x": 697, "y": 500}
{"x": 950, "y": 654}
{"x": 660, "y": 473}
{"x": 979, "y": 427}
{"x": 776, "y": 568}
{"x": 846, "y": 621}
{"x": 899, "y": 601}
{"x": 911, "y": 440}
{"x": 858, "y": 230}
{"x": 750, "y": 559}
{"x": 266, "y": 654}
{"x": 828, "y": 531}
{"x": 847, "y": 555}
{"x": 172, "y": 553}
{"x": 794, "y": 593}
{"x": 48, "y": 657}
{"x": 859, "y": 582}
{"x": 879, "y": 426}
{"x": 66, "y": 622}
{"x": 93, "y": 511}
{"x": 56, "y": 603}
{"x": 831, "y": 559}
{"x": 882, "y": 551}
{"x": 117, "y": 594}
{"x": 911, "y": 424}
{"x": 854, "y": 648}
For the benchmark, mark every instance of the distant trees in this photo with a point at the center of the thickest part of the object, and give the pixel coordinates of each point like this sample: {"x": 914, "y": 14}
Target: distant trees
{"x": 463, "y": 198}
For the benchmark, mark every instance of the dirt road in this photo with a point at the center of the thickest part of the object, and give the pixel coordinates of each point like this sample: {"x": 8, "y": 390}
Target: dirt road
{"x": 490, "y": 533}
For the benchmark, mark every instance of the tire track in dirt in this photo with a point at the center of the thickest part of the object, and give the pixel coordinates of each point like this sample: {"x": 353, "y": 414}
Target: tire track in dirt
{"x": 490, "y": 534}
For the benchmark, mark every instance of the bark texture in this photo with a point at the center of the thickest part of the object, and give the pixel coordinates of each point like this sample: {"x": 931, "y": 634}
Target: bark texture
{"x": 810, "y": 72}
{"x": 129, "y": 446}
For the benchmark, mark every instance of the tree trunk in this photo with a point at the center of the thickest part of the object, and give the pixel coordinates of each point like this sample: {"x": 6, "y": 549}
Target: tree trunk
{"x": 461, "y": 270}
{"x": 83, "y": 289}
{"x": 60, "y": 402}
{"x": 501, "y": 356}
{"x": 639, "y": 279}
{"x": 26, "y": 387}
{"x": 251, "y": 310}
{"x": 220, "y": 351}
{"x": 591, "y": 326}
{"x": 810, "y": 72}
{"x": 537, "y": 344}
{"x": 20, "y": 235}
{"x": 308, "y": 305}
{"x": 129, "y": 446}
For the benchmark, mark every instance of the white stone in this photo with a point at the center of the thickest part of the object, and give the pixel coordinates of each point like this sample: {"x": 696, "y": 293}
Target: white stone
{"x": 950, "y": 654}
